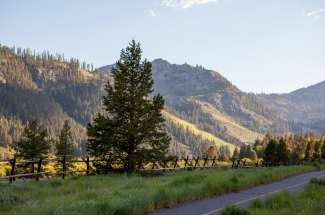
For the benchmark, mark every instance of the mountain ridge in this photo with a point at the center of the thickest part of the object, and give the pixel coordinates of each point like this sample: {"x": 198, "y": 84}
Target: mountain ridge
{"x": 200, "y": 102}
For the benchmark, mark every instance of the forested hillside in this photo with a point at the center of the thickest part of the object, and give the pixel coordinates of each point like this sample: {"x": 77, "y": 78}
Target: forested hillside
{"x": 45, "y": 87}
{"x": 212, "y": 103}
{"x": 202, "y": 107}
{"x": 53, "y": 89}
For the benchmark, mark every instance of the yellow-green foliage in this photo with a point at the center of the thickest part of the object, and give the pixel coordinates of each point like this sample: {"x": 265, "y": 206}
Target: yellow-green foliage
{"x": 4, "y": 169}
{"x": 4, "y": 153}
{"x": 233, "y": 127}
{"x": 52, "y": 167}
{"x": 196, "y": 131}
{"x": 129, "y": 194}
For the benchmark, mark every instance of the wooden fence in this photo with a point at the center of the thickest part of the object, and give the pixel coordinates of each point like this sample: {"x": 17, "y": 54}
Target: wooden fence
{"x": 89, "y": 167}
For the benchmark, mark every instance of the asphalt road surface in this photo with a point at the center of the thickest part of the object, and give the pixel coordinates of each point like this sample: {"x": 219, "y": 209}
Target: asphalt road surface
{"x": 214, "y": 205}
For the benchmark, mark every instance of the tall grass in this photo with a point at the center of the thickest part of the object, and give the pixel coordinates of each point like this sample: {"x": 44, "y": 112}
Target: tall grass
{"x": 116, "y": 194}
{"x": 310, "y": 201}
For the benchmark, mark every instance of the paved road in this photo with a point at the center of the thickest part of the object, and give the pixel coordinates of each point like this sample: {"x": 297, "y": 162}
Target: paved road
{"x": 214, "y": 205}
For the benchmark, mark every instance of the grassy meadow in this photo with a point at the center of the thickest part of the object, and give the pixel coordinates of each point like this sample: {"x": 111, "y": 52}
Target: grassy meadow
{"x": 311, "y": 201}
{"x": 130, "y": 194}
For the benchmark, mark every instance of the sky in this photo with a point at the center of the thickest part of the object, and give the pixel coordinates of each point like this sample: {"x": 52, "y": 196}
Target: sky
{"x": 262, "y": 46}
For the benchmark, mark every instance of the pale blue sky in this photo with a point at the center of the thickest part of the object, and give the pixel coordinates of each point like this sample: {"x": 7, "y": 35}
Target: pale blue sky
{"x": 259, "y": 45}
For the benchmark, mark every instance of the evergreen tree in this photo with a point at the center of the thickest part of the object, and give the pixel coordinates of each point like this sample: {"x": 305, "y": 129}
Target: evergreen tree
{"x": 317, "y": 150}
{"x": 65, "y": 144}
{"x": 251, "y": 154}
{"x": 34, "y": 143}
{"x": 235, "y": 156}
{"x": 242, "y": 152}
{"x": 259, "y": 148}
{"x": 308, "y": 152}
{"x": 299, "y": 149}
{"x": 323, "y": 151}
{"x": 132, "y": 128}
{"x": 247, "y": 152}
{"x": 270, "y": 153}
{"x": 282, "y": 151}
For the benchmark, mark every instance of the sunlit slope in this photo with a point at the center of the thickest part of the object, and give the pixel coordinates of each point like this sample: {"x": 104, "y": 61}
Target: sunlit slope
{"x": 196, "y": 131}
{"x": 233, "y": 127}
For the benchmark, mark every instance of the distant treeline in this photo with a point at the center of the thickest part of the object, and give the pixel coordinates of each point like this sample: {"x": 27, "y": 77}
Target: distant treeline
{"x": 31, "y": 56}
{"x": 291, "y": 148}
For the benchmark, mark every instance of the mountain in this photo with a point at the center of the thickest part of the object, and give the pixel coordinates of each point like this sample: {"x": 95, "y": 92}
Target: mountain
{"x": 48, "y": 88}
{"x": 53, "y": 89}
{"x": 189, "y": 89}
{"x": 304, "y": 108}
{"x": 202, "y": 107}
{"x": 213, "y": 104}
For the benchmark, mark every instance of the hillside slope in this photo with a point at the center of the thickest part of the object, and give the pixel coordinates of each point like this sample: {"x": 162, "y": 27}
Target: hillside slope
{"x": 202, "y": 107}
{"x": 305, "y": 107}
{"x": 53, "y": 89}
{"x": 46, "y": 88}
{"x": 212, "y": 103}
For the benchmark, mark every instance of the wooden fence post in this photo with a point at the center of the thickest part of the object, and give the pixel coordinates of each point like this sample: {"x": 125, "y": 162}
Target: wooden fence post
{"x": 205, "y": 161}
{"x": 176, "y": 163}
{"x": 39, "y": 169}
{"x": 13, "y": 170}
{"x": 238, "y": 163}
{"x": 186, "y": 159}
{"x": 214, "y": 161}
{"x": 165, "y": 164}
{"x": 196, "y": 161}
{"x": 153, "y": 164}
{"x": 33, "y": 166}
{"x": 63, "y": 167}
{"x": 140, "y": 166}
{"x": 88, "y": 166}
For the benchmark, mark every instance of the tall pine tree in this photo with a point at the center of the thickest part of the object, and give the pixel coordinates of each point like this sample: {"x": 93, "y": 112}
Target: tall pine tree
{"x": 283, "y": 152}
{"x": 308, "y": 152}
{"x": 65, "y": 145}
{"x": 34, "y": 143}
{"x": 317, "y": 150}
{"x": 270, "y": 152}
{"x": 323, "y": 151}
{"x": 132, "y": 128}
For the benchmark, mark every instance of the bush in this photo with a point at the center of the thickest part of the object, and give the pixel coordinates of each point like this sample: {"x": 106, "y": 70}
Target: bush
{"x": 4, "y": 169}
{"x": 257, "y": 204}
{"x": 317, "y": 181}
{"x": 281, "y": 200}
{"x": 234, "y": 210}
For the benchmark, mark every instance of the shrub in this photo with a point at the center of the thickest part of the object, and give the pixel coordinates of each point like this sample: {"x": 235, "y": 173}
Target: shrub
{"x": 317, "y": 181}
{"x": 234, "y": 210}
{"x": 257, "y": 204}
{"x": 281, "y": 200}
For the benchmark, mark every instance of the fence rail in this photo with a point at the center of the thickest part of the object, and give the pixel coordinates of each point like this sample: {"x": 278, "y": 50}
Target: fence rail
{"x": 89, "y": 166}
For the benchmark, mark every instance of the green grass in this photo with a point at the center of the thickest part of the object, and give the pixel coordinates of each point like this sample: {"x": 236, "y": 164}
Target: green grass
{"x": 310, "y": 202}
{"x": 129, "y": 194}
